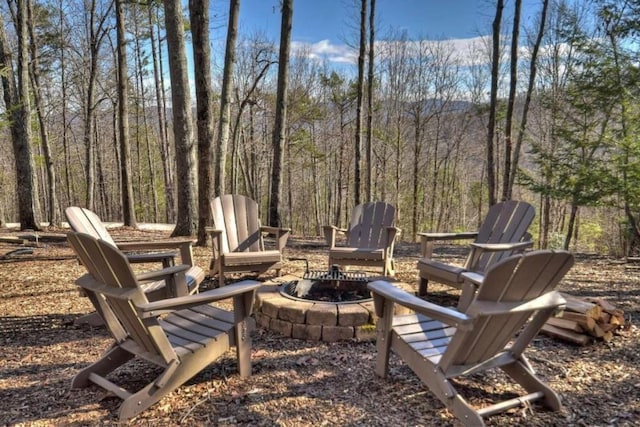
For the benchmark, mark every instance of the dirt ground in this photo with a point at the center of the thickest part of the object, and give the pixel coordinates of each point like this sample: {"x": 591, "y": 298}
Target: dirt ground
{"x": 294, "y": 382}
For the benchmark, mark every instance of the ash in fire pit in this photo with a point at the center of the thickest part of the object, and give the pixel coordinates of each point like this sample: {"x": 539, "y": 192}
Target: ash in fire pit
{"x": 328, "y": 286}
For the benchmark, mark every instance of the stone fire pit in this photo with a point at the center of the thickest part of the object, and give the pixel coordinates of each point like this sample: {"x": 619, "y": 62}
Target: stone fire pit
{"x": 296, "y": 317}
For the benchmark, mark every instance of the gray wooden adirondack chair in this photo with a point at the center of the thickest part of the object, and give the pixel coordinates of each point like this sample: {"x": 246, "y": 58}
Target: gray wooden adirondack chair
{"x": 182, "y": 335}
{"x": 238, "y": 238}
{"x": 502, "y": 233}
{"x": 83, "y": 220}
{"x": 507, "y": 311}
{"x": 370, "y": 238}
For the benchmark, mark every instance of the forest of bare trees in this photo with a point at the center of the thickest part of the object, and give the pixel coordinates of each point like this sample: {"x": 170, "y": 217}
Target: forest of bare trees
{"x": 98, "y": 110}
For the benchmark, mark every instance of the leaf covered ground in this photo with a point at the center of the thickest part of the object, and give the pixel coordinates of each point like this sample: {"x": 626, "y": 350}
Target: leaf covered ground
{"x": 294, "y": 382}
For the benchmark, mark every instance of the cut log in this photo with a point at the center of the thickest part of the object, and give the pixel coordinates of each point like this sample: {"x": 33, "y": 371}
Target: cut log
{"x": 570, "y": 325}
{"x": 606, "y": 305}
{"x": 580, "y": 306}
{"x": 574, "y": 337}
{"x": 587, "y": 323}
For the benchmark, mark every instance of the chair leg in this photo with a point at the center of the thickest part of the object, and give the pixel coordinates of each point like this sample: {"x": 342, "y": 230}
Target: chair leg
{"x": 110, "y": 361}
{"x": 422, "y": 287}
{"x": 519, "y": 372}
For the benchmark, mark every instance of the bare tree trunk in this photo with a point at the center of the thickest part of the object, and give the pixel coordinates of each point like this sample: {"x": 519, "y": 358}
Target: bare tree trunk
{"x": 199, "y": 16}
{"x": 370, "y": 82}
{"x": 97, "y": 33}
{"x": 570, "y": 226}
{"x": 165, "y": 150}
{"x": 525, "y": 111}
{"x": 493, "y": 105}
{"x": 225, "y": 97}
{"x": 128, "y": 208}
{"x": 16, "y": 99}
{"x": 186, "y": 223}
{"x": 63, "y": 88}
{"x": 513, "y": 81}
{"x": 53, "y": 216}
{"x": 279, "y": 129}
{"x": 142, "y": 115}
{"x": 360, "y": 102}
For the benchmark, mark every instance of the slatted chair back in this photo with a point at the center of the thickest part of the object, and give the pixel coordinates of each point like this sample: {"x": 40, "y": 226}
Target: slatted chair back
{"x": 85, "y": 221}
{"x": 238, "y": 218}
{"x": 120, "y": 293}
{"x": 506, "y": 222}
{"x": 511, "y": 282}
{"x": 368, "y": 226}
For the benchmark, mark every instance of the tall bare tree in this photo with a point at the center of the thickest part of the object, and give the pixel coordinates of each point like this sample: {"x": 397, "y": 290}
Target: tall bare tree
{"x": 279, "y": 128}
{"x": 199, "y": 16}
{"x": 186, "y": 222}
{"x": 493, "y": 103}
{"x": 16, "y": 97}
{"x": 508, "y": 169}
{"x": 52, "y": 214}
{"x": 165, "y": 148}
{"x": 370, "y": 84}
{"x": 225, "y": 97}
{"x": 533, "y": 67}
{"x": 359, "y": 103}
{"x": 126, "y": 186}
{"x": 97, "y": 28}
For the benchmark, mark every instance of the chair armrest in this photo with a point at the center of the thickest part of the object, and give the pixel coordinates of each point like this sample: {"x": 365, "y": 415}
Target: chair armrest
{"x": 486, "y": 308}
{"x": 477, "y": 249}
{"x": 281, "y": 233}
{"x": 165, "y": 257}
{"x": 391, "y": 293}
{"x": 157, "y": 308}
{"x": 499, "y": 247}
{"x": 163, "y": 274}
{"x": 427, "y": 239}
{"x": 216, "y": 237}
{"x": 330, "y": 232}
{"x": 184, "y": 245}
{"x": 392, "y": 233}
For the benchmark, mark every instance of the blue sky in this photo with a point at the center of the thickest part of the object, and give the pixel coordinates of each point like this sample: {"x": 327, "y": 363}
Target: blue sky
{"x": 326, "y": 27}
{"x": 315, "y": 20}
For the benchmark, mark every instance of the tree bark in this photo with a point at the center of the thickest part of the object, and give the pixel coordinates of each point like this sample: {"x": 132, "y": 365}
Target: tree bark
{"x": 279, "y": 129}
{"x": 199, "y": 16}
{"x": 370, "y": 83}
{"x": 16, "y": 97}
{"x": 359, "y": 103}
{"x": 493, "y": 103}
{"x": 186, "y": 223}
{"x": 513, "y": 81}
{"x": 126, "y": 187}
{"x": 225, "y": 97}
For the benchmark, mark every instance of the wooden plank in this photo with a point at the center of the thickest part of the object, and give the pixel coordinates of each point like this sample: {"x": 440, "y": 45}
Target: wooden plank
{"x": 574, "y": 337}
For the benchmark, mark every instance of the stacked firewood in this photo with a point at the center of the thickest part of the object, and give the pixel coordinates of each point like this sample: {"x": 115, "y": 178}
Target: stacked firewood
{"x": 585, "y": 320}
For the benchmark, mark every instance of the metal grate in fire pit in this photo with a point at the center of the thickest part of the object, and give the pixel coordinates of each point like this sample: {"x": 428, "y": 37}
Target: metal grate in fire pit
{"x": 328, "y": 286}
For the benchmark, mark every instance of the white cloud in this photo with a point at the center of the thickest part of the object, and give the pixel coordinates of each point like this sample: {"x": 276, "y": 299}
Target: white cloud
{"x": 324, "y": 50}
{"x": 465, "y": 51}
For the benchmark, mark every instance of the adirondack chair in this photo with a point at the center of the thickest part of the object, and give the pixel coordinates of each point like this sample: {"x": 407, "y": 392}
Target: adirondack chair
{"x": 238, "y": 238}
{"x": 370, "y": 238}
{"x": 181, "y": 335}
{"x": 440, "y": 344}
{"x": 502, "y": 233}
{"x": 85, "y": 221}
